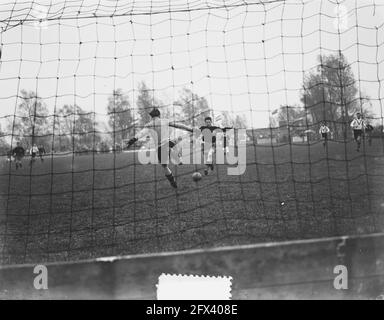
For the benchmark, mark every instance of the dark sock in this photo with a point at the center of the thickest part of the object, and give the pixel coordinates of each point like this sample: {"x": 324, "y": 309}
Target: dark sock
{"x": 171, "y": 179}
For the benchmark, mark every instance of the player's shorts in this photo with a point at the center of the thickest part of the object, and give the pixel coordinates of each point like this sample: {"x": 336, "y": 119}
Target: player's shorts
{"x": 171, "y": 144}
{"x": 209, "y": 146}
{"x": 33, "y": 154}
{"x": 325, "y": 135}
{"x": 18, "y": 158}
{"x": 357, "y": 133}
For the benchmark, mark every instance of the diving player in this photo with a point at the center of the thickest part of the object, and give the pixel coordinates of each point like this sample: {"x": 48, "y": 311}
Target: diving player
{"x": 154, "y": 129}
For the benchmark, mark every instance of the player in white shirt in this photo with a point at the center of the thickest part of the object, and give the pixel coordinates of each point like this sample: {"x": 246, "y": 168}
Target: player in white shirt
{"x": 324, "y": 131}
{"x": 34, "y": 152}
{"x": 154, "y": 129}
{"x": 358, "y": 126}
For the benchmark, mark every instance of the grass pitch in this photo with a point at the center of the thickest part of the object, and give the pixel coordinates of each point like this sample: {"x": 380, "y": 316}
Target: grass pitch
{"x": 76, "y": 207}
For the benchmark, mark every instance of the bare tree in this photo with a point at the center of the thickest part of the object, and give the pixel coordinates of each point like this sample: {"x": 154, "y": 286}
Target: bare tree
{"x": 193, "y": 107}
{"x": 330, "y": 93}
{"x": 120, "y": 115}
{"x": 76, "y": 128}
{"x": 31, "y": 121}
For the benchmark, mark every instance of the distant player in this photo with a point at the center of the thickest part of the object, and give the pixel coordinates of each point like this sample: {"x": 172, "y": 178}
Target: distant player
{"x": 368, "y": 131}
{"x": 34, "y": 152}
{"x": 41, "y": 152}
{"x": 155, "y": 126}
{"x": 358, "y": 127}
{"x": 18, "y": 153}
{"x": 324, "y": 131}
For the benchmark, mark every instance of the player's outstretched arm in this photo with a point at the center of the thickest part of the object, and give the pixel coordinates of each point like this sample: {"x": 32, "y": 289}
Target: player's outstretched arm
{"x": 143, "y": 132}
{"x": 132, "y": 141}
{"x": 180, "y": 126}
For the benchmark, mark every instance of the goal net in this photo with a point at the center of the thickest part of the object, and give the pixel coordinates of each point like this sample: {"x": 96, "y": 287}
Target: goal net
{"x": 78, "y": 80}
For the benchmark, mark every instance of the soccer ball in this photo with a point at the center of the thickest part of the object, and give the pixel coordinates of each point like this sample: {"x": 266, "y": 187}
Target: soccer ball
{"x": 196, "y": 176}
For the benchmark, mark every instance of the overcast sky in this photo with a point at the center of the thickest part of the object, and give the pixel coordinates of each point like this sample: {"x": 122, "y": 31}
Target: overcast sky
{"x": 246, "y": 59}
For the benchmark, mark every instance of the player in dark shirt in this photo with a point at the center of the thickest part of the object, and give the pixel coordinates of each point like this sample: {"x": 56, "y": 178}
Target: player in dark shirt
{"x": 18, "y": 153}
{"x": 41, "y": 152}
{"x": 368, "y": 132}
{"x": 211, "y": 145}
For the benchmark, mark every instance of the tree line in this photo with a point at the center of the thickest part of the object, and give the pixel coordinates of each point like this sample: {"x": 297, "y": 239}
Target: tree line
{"x": 72, "y": 128}
{"x": 329, "y": 93}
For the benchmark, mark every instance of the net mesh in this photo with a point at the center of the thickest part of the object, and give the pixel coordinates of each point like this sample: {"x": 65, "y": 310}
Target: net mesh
{"x": 80, "y": 77}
